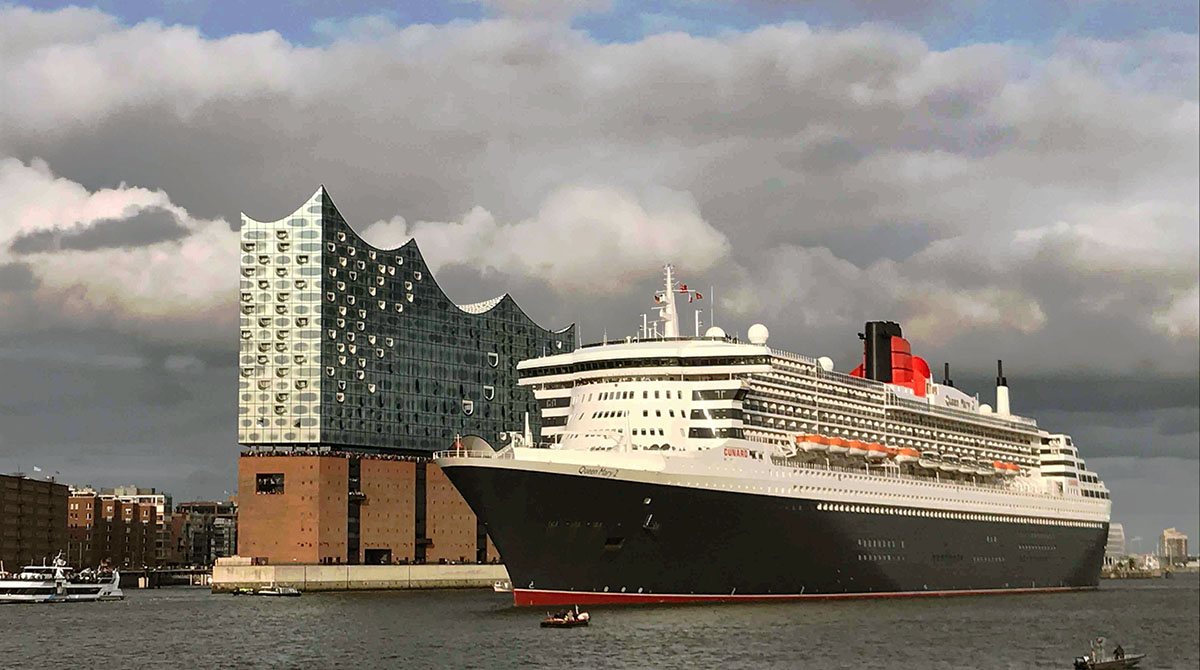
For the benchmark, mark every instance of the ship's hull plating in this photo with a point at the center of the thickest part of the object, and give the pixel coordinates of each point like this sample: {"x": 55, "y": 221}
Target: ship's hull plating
{"x": 581, "y": 539}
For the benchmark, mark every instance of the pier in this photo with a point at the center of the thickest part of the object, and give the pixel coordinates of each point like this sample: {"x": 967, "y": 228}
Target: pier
{"x": 226, "y": 578}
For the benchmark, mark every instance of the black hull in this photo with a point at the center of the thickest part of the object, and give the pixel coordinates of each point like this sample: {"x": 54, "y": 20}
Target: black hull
{"x": 568, "y": 539}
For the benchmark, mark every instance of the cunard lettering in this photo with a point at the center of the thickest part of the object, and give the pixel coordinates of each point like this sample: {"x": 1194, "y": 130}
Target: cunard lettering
{"x": 740, "y": 453}
{"x": 597, "y": 472}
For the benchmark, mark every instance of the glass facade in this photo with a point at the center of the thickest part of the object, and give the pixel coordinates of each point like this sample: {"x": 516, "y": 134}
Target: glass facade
{"x": 349, "y": 346}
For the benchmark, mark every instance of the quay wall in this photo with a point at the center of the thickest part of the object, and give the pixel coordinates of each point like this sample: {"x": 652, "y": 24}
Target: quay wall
{"x": 225, "y": 578}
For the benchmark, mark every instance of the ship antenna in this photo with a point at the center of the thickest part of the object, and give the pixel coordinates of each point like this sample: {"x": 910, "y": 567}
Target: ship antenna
{"x": 666, "y": 307}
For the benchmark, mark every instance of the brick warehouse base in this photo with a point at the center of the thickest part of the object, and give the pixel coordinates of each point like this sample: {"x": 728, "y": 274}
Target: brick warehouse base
{"x": 335, "y": 508}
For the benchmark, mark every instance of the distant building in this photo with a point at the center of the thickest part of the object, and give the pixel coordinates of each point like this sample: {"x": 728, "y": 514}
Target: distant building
{"x": 33, "y": 520}
{"x": 109, "y": 531}
{"x": 162, "y": 510}
{"x": 1114, "y": 550}
{"x": 206, "y": 531}
{"x": 354, "y": 367}
{"x": 1172, "y": 547}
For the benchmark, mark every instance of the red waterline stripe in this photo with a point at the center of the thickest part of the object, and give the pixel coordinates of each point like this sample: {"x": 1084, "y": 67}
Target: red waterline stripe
{"x": 531, "y": 597}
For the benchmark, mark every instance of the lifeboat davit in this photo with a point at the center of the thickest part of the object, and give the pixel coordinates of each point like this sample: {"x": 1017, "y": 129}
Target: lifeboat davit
{"x": 876, "y": 452}
{"x": 857, "y": 448}
{"x": 930, "y": 460}
{"x": 907, "y": 455}
{"x": 838, "y": 446}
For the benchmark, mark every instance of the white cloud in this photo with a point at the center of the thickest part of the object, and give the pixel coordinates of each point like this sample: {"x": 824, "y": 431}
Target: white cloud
{"x": 172, "y": 289}
{"x": 589, "y": 239}
{"x": 1181, "y": 317}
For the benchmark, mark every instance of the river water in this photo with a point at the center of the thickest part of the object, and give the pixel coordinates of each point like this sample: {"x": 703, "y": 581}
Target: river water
{"x": 188, "y": 627}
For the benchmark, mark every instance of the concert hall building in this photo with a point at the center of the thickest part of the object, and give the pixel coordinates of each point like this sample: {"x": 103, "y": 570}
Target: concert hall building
{"x": 354, "y": 367}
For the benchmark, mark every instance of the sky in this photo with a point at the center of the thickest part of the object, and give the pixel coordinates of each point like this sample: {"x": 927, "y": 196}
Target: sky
{"x": 1012, "y": 180}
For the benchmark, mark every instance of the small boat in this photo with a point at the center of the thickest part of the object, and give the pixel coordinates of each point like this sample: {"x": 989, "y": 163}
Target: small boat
{"x": 274, "y": 590}
{"x": 572, "y": 618}
{"x": 502, "y": 586}
{"x": 1099, "y": 659}
{"x": 242, "y": 591}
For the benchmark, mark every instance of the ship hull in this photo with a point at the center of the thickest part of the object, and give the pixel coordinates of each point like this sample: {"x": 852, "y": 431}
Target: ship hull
{"x": 582, "y": 539}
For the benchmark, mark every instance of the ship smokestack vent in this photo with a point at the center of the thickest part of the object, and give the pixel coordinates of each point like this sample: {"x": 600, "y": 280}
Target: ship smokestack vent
{"x": 946, "y": 376}
{"x": 1002, "y": 406}
{"x": 877, "y": 349}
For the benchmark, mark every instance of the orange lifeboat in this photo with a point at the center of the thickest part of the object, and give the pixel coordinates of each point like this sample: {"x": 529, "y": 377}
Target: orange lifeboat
{"x": 1006, "y": 469}
{"x": 838, "y": 446}
{"x": 857, "y": 448}
{"x": 812, "y": 442}
{"x": 876, "y": 452}
{"x": 907, "y": 455}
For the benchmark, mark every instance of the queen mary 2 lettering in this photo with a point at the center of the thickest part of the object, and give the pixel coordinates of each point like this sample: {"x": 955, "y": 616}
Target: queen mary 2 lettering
{"x": 711, "y": 469}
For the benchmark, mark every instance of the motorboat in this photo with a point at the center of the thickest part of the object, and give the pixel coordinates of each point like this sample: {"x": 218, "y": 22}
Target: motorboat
{"x": 59, "y": 582}
{"x": 276, "y": 590}
{"x": 242, "y": 591}
{"x": 571, "y": 618}
{"x": 502, "y": 586}
{"x": 1099, "y": 659}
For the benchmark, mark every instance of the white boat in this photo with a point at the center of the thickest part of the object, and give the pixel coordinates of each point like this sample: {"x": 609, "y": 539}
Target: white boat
{"x": 276, "y": 590}
{"x": 58, "y": 582}
{"x": 502, "y": 586}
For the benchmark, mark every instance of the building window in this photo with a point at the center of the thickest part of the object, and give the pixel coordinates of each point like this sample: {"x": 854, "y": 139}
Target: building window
{"x": 493, "y": 359}
{"x": 489, "y": 392}
{"x": 468, "y": 407}
{"x": 268, "y": 483}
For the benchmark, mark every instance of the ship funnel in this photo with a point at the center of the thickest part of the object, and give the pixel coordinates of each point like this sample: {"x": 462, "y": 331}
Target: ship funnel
{"x": 1002, "y": 406}
{"x": 946, "y": 376}
{"x": 877, "y": 349}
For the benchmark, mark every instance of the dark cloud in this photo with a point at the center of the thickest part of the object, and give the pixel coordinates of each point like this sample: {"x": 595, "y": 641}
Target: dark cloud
{"x": 16, "y": 277}
{"x": 147, "y": 226}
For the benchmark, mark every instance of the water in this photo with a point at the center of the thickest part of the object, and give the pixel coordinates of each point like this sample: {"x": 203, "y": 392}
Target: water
{"x": 182, "y": 627}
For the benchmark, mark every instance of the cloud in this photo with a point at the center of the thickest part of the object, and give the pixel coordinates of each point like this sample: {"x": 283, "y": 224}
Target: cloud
{"x": 142, "y": 227}
{"x": 1037, "y": 200}
{"x": 16, "y": 277}
{"x": 127, "y": 258}
{"x": 622, "y": 235}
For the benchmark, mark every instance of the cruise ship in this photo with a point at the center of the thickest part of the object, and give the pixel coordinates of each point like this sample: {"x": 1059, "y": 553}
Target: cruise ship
{"x": 711, "y": 468}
